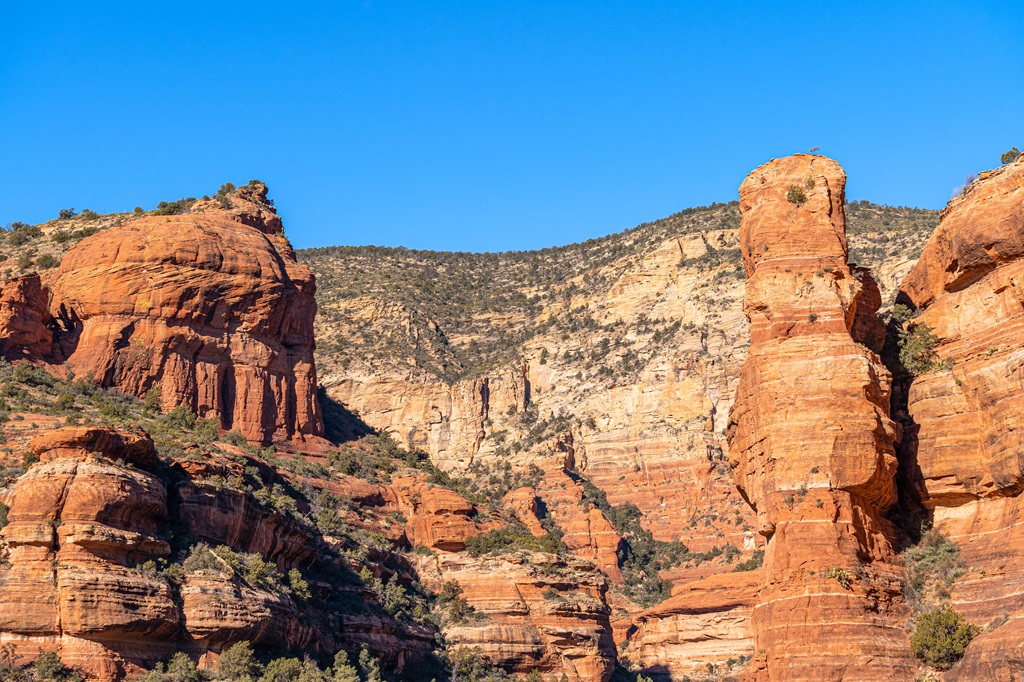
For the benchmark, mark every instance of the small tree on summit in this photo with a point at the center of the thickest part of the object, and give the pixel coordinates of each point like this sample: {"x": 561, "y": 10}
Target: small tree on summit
{"x": 1010, "y": 156}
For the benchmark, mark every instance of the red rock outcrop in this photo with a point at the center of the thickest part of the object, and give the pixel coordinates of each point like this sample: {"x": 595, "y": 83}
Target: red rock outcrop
{"x": 963, "y": 458}
{"x": 706, "y": 621}
{"x": 25, "y": 319}
{"x": 210, "y": 307}
{"x": 77, "y": 524}
{"x": 84, "y": 524}
{"x": 525, "y": 504}
{"x": 436, "y": 518}
{"x": 532, "y": 611}
{"x": 811, "y": 441}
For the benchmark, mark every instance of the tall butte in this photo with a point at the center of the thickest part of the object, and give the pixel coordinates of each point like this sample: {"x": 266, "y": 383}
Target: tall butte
{"x": 810, "y": 438}
{"x": 210, "y": 308}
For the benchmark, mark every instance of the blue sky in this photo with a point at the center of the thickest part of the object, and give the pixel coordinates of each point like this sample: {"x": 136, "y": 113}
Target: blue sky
{"x": 488, "y": 126}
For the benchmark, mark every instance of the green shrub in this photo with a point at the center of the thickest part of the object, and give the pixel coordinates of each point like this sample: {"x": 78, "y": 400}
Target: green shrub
{"x": 370, "y": 666}
{"x": 3, "y": 515}
{"x": 66, "y": 214}
{"x": 510, "y": 539}
{"x": 1010, "y": 156}
{"x": 180, "y": 668}
{"x": 26, "y": 260}
{"x": 238, "y": 664}
{"x": 916, "y": 342}
{"x": 48, "y": 666}
{"x": 342, "y": 670}
{"x": 796, "y": 195}
{"x": 23, "y": 234}
{"x": 941, "y": 637}
{"x": 841, "y": 576}
{"x": 298, "y": 584}
{"x": 282, "y": 670}
{"x": 174, "y": 207}
{"x": 755, "y": 562}
{"x": 47, "y": 261}
{"x": 468, "y": 665}
{"x": 933, "y": 565}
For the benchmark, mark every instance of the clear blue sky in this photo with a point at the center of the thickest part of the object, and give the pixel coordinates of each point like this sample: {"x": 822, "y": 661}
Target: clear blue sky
{"x": 494, "y": 125}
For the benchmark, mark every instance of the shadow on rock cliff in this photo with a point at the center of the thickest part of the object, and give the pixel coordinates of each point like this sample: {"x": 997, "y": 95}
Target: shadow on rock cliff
{"x": 910, "y": 515}
{"x": 340, "y": 423}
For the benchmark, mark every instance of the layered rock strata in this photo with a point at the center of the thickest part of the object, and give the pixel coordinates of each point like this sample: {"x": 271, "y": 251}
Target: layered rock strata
{"x": 25, "y": 319}
{"x": 811, "y": 441}
{"x": 704, "y": 622}
{"x": 85, "y": 526}
{"x": 962, "y": 459}
{"x": 532, "y": 611}
{"x": 209, "y": 308}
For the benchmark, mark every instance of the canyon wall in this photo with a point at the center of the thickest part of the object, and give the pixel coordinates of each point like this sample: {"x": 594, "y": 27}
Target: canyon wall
{"x": 87, "y": 528}
{"x": 962, "y": 459}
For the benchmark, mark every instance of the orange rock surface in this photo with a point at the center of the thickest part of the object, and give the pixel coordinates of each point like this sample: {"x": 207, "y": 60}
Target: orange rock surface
{"x": 962, "y": 455}
{"x": 210, "y": 307}
{"x": 533, "y": 611}
{"x": 436, "y": 518}
{"x": 24, "y": 319}
{"x": 84, "y": 521}
{"x": 77, "y": 525}
{"x": 811, "y": 442}
{"x": 706, "y": 621}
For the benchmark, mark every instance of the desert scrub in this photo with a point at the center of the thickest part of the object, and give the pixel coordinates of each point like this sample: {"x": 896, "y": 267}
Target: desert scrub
{"x": 933, "y": 565}
{"x": 941, "y": 637}
{"x": 841, "y": 576}
{"x": 510, "y": 539}
{"x": 796, "y": 195}
{"x": 755, "y": 562}
{"x": 915, "y": 342}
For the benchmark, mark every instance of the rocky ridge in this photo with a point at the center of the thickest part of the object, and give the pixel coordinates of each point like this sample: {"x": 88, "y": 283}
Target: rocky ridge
{"x": 116, "y": 552}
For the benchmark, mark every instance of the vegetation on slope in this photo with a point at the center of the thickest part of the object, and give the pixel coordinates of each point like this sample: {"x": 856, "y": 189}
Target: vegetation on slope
{"x": 460, "y": 314}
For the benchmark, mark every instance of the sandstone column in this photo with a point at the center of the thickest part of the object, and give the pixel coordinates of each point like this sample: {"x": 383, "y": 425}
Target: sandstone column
{"x": 811, "y": 442}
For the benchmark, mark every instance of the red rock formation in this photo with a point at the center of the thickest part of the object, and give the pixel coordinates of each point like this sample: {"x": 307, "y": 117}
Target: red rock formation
{"x": 82, "y": 524}
{"x": 437, "y": 518}
{"x": 210, "y": 306}
{"x": 964, "y": 457}
{"x": 586, "y": 531}
{"x": 526, "y": 506}
{"x": 707, "y": 621}
{"x": 77, "y": 523}
{"x": 811, "y": 442}
{"x": 534, "y": 611}
{"x": 24, "y": 319}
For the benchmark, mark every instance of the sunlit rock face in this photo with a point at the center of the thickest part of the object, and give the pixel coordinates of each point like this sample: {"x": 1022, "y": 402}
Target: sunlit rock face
{"x": 811, "y": 441}
{"x": 962, "y": 457}
{"x": 208, "y": 307}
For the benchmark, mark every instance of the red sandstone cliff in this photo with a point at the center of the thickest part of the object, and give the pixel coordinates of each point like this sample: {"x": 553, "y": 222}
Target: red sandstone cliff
{"x": 209, "y": 307}
{"x": 811, "y": 441}
{"x": 963, "y": 459}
